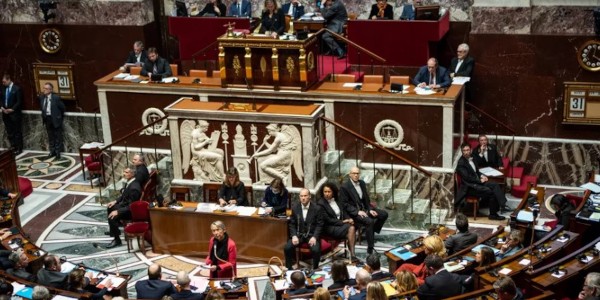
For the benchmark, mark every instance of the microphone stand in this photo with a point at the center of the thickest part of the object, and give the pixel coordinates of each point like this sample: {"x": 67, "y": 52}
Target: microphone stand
{"x": 535, "y": 215}
{"x": 111, "y": 257}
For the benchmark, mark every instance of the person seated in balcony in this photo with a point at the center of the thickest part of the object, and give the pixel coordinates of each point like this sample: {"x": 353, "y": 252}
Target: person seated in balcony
{"x": 222, "y": 257}
{"x": 272, "y": 19}
{"x": 337, "y": 223}
{"x": 432, "y": 76}
{"x": 473, "y": 183}
{"x": 276, "y": 198}
{"x": 240, "y": 8}
{"x": 381, "y": 11}
{"x": 513, "y": 244}
{"x": 50, "y": 274}
{"x": 463, "y": 238}
{"x": 232, "y": 191}
{"x": 294, "y": 9}
{"x": 432, "y": 244}
{"x": 299, "y": 283}
{"x": 340, "y": 275}
{"x": 214, "y": 8}
{"x": 156, "y": 65}
{"x": 486, "y": 154}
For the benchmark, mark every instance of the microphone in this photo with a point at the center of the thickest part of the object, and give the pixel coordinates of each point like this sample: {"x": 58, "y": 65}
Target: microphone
{"x": 222, "y": 260}
{"x": 95, "y": 245}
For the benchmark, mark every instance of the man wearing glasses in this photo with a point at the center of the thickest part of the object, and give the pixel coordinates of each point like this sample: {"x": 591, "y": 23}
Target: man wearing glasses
{"x": 432, "y": 76}
{"x": 462, "y": 64}
{"x": 591, "y": 287}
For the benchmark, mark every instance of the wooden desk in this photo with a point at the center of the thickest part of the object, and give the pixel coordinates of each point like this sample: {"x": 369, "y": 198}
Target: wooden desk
{"x": 526, "y": 228}
{"x": 312, "y": 26}
{"x": 394, "y": 261}
{"x": 382, "y": 89}
{"x": 187, "y": 232}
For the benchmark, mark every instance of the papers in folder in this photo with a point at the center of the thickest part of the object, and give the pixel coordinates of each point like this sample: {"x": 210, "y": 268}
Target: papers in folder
{"x": 490, "y": 172}
{"x": 460, "y": 80}
{"x": 593, "y": 187}
{"x": 478, "y": 248}
{"x": 116, "y": 281}
{"x": 424, "y": 91}
{"x": 525, "y": 216}
{"x": 403, "y": 253}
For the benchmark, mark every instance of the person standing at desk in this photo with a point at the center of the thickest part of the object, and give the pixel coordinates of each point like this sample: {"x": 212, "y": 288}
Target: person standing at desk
{"x": 294, "y": 9}
{"x": 221, "y": 259}
{"x": 272, "y": 19}
{"x": 335, "y": 14}
{"x": 53, "y": 110}
{"x": 462, "y": 64}
{"x": 156, "y": 65}
{"x": 233, "y": 191}
{"x": 12, "y": 99}
{"x": 486, "y": 154}
{"x": 382, "y": 11}
{"x": 240, "y": 8}
{"x": 214, "y": 8}
{"x": 432, "y": 76}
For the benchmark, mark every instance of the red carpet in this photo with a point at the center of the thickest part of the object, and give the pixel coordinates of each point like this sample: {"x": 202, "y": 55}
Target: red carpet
{"x": 330, "y": 64}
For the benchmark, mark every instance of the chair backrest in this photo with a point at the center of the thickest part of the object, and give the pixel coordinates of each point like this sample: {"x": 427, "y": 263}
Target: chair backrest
{"x": 457, "y": 180}
{"x": 139, "y": 211}
{"x": 343, "y": 77}
{"x": 135, "y": 70}
{"x": 373, "y": 79}
{"x": 399, "y": 79}
{"x": 249, "y": 195}
{"x": 210, "y": 192}
{"x": 179, "y": 193}
{"x": 174, "y": 69}
{"x": 216, "y": 73}
{"x": 197, "y": 73}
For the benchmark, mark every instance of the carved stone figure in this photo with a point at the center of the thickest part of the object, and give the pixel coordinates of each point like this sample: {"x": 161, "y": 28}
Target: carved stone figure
{"x": 281, "y": 155}
{"x": 207, "y": 159}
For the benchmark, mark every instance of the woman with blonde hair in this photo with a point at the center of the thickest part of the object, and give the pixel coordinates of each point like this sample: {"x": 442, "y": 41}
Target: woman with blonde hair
{"x": 375, "y": 291}
{"x": 432, "y": 244}
{"x": 321, "y": 294}
{"x": 405, "y": 281}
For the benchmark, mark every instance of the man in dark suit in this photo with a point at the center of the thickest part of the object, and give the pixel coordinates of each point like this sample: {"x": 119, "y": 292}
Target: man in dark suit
{"x": 462, "y": 64}
{"x": 474, "y": 183}
{"x": 50, "y": 275}
{"x": 141, "y": 171}
{"x": 335, "y": 15}
{"x": 137, "y": 56}
{"x": 12, "y": 100}
{"x": 506, "y": 289}
{"x": 185, "y": 292}
{"x": 53, "y": 111}
{"x": 432, "y": 76}
{"x": 154, "y": 287}
{"x": 362, "y": 280}
{"x": 20, "y": 262}
{"x": 356, "y": 197}
{"x": 305, "y": 226}
{"x": 119, "y": 209}
{"x": 240, "y": 8}
{"x": 373, "y": 265}
{"x": 440, "y": 284}
{"x": 294, "y": 9}
{"x": 463, "y": 238}
{"x": 156, "y": 65}
{"x": 298, "y": 280}
{"x": 486, "y": 154}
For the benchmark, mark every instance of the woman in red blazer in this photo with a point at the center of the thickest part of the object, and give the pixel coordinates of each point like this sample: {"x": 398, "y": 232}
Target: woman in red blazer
{"x": 222, "y": 252}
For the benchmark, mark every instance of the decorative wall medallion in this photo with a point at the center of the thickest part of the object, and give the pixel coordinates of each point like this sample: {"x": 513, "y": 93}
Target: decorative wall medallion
{"x": 150, "y": 115}
{"x": 263, "y": 65}
{"x": 310, "y": 61}
{"x": 389, "y": 134}
{"x": 237, "y": 66}
{"x": 290, "y": 66}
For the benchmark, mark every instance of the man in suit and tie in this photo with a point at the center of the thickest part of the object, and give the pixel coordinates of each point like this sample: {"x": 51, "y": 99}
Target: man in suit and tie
{"x": 432, "y": 76}
{"x": 440, "y": 284}
{"x": 240, "y": 8}
{"x": 486, "y": 154}
{"x": 118, "y": 210}
{"x": 53, "y": 111}
{"x": 463, "y": 238}
{"x": 305, "y": 226}
{"x": 154, "y": 287}
{"x": 294, "y": 9}
{"x": 356, "y": 197}
{"x": 462, "y": 64}
{"x": 156, "y": 65}
{"x": 141, "y": 171}
{"x": 473, "y": 183}
{"x": 12, "y": 99}
{"x": 137, "y": 56}
{"x": 335, "y": 15}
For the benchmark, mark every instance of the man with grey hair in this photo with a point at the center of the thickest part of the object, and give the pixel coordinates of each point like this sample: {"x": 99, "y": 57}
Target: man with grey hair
{"x": 141, "y": 171}
{"x": 185, "y": 290}
{"x": 507, "y": 290}
{"x": 20, "y": 262}
{"x": 40, "y": 293}
{"x": 137, "y": 57}
{"x": 362, "y": 280}
{"x": 118, "y": 210}
{"x": 591, "y": 287}
{"x": 462, "y": 64}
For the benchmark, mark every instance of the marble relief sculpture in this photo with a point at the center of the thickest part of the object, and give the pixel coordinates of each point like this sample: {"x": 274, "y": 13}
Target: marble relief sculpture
{"x": 281, "y": 155}
{"x": 200, "y": 151}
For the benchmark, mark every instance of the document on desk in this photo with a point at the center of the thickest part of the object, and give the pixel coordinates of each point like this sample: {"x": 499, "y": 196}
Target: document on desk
{"x": 206, "y": 207}
{"x": 201, "y": 283}
{"x": 424, "y": 91}
{"x": 116, "y": 281}
{"x": 91, "y": 145}
{"x": 351, "y": 84}
{"x": 121, "y": 76}
{"x": 490, "y": 172}
{"x": 460, "y": 80}
{"x": 594, "y": 187}
{"x": 525, "y": 216}
{"x": 246, "y": 211}
{"x": 169, "y": 79}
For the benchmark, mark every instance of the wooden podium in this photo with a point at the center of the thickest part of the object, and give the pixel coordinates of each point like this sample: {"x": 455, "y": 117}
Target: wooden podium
{"x": 266, "y": 62}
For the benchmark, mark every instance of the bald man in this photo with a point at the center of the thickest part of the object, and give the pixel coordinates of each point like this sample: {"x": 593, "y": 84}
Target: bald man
{"x": 356, "y": 197}
{"x": 154, "y": 287}
{"x": 432, "y": 76}
{"x": 305, "y": 226}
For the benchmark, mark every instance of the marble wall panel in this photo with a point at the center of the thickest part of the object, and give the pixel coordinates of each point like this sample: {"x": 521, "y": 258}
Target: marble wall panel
{"x": 507, "y": 20}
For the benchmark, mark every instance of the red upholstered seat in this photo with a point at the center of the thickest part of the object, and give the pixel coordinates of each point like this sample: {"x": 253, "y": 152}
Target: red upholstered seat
{"x": 25, "y": 187}
{"x": 138, "y": 227}
{"x": 94, "y": 165}
{"x": 140, "y": 224}
{"x": 519, "y": 191}
{"x": 474, "y": 201}
{"x": 327, "y": 245}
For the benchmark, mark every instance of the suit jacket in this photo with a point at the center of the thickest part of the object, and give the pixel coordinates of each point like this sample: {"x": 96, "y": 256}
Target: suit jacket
{"x": 131, "y": 193}
{"x": 57, "y": 109}
{"x": 226, "y": 269}
{"x": 442, "y": 77}
{"x": 311, "y": 227}
{"x": 408, "y": 12}
{"x": 388, "y": 12}
{"x": 53, "y": 278}
{"x": 494, "y": 160}
{"x": 131, "y": 59}
{"x": 441, "y": 285}
{"x": 154, "y": 288}
{"x": 460, "y": 241}
{"x": 336, "y": 16}
{"x": 209, "y": 10}
{"x": 302, "y": 290}
{"x": 381, "y": 275}
{"x": 162, "y": 67}
{"x": 469, "y": 179}
{"x": 22, "y": 273}
{"x": 329, "y": 216}
{"x": 466, "y": 68}
{"x": 359, "y": 296}
{"x": 246, "y": 10}
{"x": 352, "y": 201}
{"x": 237, "y": 192}
{"x": 15, "y": 101}
{"x": 141, "y": 174}
{"x": 187, "y": 294}
{"x": 274, "y": 23}
{"x": 299, "y": 10}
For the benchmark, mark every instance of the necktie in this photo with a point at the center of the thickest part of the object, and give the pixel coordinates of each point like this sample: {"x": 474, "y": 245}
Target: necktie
{"x": 46, "y": 105}
{"x": 294, "y": 12}
{"x": 154, "y": 69}
{"x": 239, "y": 9}
{"x": 6, "y": 98}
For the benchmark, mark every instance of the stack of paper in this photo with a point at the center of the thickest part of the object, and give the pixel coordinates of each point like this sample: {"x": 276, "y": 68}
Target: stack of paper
{"x": 121, "y": 76}
{"x": 490, "y": 172}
